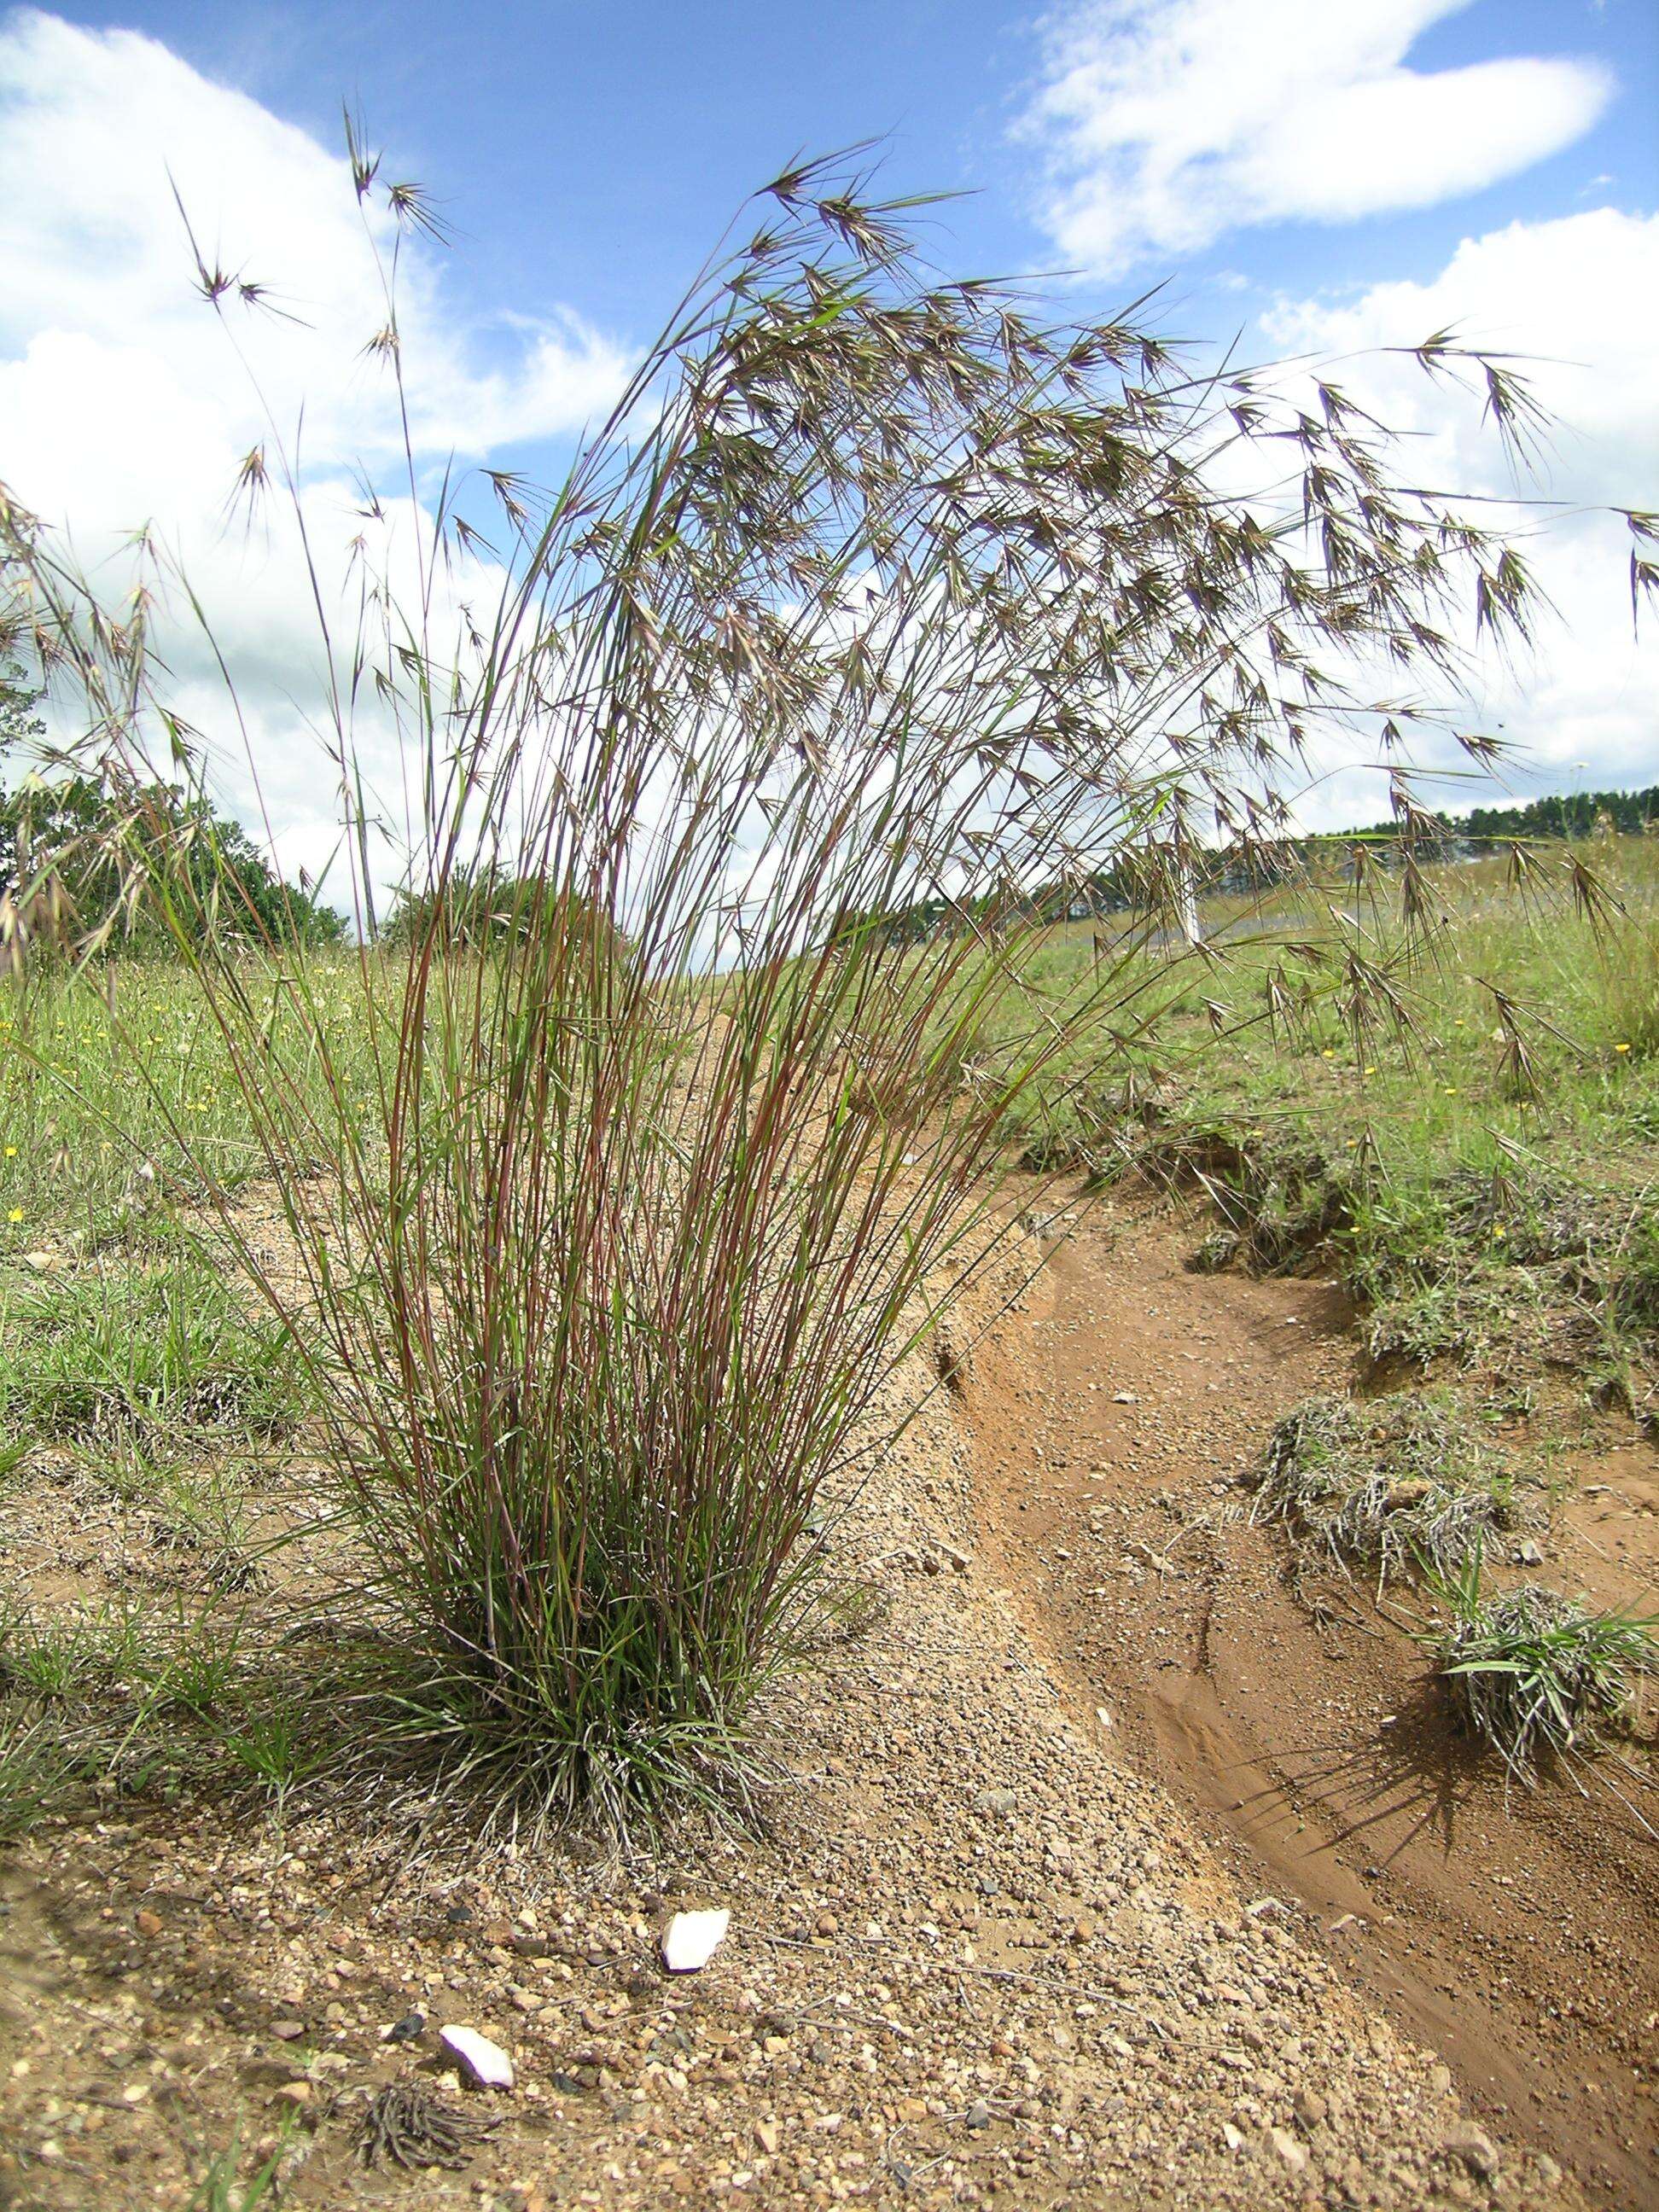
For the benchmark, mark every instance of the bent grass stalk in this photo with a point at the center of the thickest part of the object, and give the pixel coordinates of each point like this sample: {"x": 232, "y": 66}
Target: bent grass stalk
{"x": 873, "y": 592}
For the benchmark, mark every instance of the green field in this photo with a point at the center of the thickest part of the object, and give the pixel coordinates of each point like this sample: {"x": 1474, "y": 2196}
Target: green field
{"x": 1462, "y": 1122}
{"x": 1469, "y": 1133}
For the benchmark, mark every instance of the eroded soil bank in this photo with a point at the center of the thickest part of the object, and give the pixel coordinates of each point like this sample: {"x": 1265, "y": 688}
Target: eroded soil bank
{"x": 1517, "y": 1931}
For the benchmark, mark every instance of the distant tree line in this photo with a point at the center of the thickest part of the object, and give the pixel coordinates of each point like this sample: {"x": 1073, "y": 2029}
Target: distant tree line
{"x": 1571, "y": 814}
{"x": 1123, "y": 887}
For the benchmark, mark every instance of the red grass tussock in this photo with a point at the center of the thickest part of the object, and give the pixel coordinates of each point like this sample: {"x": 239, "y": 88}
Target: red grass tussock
{"x": 874, "y": 591}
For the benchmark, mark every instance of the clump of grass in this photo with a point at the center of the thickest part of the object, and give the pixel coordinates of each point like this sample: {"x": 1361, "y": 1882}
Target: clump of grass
{"x": 62, "y": 1654}
{"x": 228, "y": 2184}
{"x": 1281, "y": 1205}
{"x": 131, "y": 1700}
{"x": 61, "y": 1729}
{"x": 200, "y": 1508}
{"x": 1534, "y": 1674}
{"x": 132, "y": 1357}
{"x": 1468, "y": 1311}
{"x": 39, "y": 1776}
{"x": 1399, "y": 1485}
{"x": 1631, "y": 1269}
{"x": 876, "y": 598}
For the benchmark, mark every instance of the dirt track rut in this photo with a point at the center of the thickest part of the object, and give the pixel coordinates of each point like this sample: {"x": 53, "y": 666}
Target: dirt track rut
{"x": 1513, "y": 1931}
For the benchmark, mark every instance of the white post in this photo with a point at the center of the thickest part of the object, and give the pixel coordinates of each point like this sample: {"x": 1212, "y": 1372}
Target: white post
{"x": 1186, "y": 902}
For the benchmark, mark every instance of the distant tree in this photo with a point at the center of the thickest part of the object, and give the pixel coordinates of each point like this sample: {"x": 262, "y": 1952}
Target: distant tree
{"x": 233, "y": 881}
{"x": 484, "y": 908}
{"x": 63, "y": 876}
{"x": 19, "y": 723}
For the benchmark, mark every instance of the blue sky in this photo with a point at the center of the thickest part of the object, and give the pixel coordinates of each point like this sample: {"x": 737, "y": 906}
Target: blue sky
{"x": 1332, "y": 176}
{"x": 591, "y": 152}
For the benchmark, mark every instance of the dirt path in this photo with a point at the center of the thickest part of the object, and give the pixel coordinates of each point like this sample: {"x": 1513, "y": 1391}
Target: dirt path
{"x": 1515, "y": 1932}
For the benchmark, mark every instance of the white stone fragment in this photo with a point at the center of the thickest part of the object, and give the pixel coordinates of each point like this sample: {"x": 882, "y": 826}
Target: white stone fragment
{"x": 486, "y": 2061}
{"x": 693, "y": 1938}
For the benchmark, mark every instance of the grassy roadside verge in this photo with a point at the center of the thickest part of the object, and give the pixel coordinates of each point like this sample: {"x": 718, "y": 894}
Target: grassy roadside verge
{"x": 1477, "y": 1162}
{"x": 1490, "y": 1203}
{"x": 1467, "y": 1141}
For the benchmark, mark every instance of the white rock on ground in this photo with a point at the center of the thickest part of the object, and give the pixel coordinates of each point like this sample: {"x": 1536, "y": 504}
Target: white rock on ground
{"x": 693, "y": 1938}
{"x": 486, "y": 2061}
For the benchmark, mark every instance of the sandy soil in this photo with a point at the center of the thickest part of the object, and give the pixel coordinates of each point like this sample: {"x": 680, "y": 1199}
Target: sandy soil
{"x": 989, "y": 1944}
{"x": 1515, "y": 1930}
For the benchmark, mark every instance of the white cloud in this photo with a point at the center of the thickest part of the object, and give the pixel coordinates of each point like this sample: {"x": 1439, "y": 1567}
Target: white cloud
{"x": 97, "y": 131}
{"x": 1579, "y": 300}
{"x": 1576, "y": 299}
{"x": 1166, "y": 123}
{"x": 122, "y": 403}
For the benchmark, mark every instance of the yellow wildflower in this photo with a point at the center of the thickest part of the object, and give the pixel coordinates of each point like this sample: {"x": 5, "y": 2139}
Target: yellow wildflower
{"x": 1621, "y": 1047}
{"x": 16, "y": 1213}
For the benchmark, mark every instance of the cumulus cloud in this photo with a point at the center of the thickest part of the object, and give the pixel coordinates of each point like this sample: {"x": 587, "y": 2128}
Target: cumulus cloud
{"x": 1165, "y": 123}
{"x": 124, "y": 403}
{"x": 1577, "y": 301}
{"x": 105, "y": 135}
